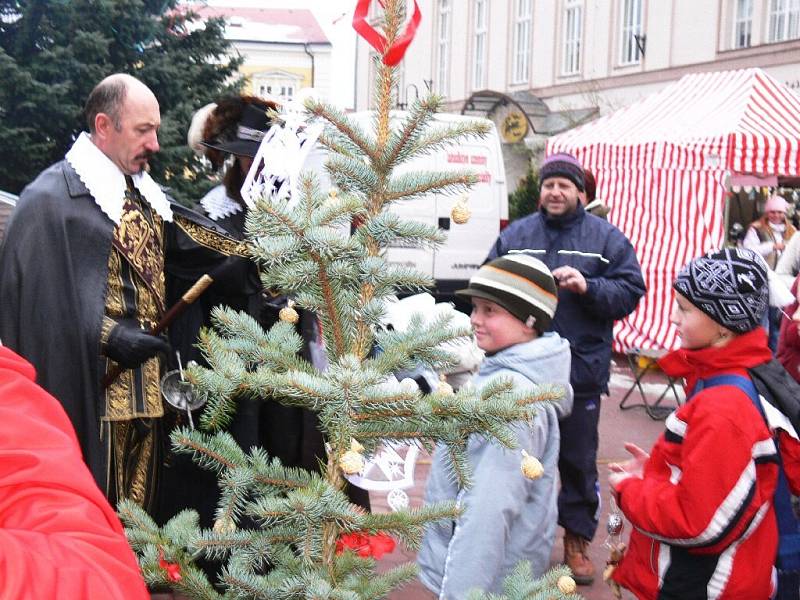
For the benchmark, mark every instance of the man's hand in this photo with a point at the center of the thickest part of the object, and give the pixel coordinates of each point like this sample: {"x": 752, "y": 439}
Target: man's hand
{"x": 779, "y": 246}
{"x": 570, "y": 279}
{"x": 129, "y": 345}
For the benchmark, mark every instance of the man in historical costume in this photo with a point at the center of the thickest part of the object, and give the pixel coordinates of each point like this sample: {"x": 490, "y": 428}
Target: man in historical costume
{"x": 229, "y": 133}
{"x": 82, "y": 279}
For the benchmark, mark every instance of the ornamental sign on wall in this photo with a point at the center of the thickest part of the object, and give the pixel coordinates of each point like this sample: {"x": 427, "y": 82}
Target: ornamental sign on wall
{"x": 515, "y": 127}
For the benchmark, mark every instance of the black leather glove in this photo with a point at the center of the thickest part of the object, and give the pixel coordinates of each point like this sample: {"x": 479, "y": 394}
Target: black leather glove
{"x": 129, "y": 345}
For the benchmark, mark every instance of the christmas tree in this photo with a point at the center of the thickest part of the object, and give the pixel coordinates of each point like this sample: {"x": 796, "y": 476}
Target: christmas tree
{"x": 287, "y": 533}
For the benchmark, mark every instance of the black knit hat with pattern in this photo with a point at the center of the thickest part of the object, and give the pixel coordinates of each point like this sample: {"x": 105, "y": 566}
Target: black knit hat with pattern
{"x": 729, "y": 285}
{"x": 521, "y": 284}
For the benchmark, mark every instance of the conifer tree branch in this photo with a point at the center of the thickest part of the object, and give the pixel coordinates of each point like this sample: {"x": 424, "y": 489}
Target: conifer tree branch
{"x": 421, "y": 112}
{"x": 340, "y": 121}
{"x": 433, "y": 182}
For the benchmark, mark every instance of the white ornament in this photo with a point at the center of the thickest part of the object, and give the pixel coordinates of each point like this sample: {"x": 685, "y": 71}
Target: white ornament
{"x": 397, "y": 499}
{"x": 276, "y": 167}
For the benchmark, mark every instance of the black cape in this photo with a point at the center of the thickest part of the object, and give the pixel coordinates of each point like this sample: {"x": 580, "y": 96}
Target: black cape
{"x": 53, "y": 280}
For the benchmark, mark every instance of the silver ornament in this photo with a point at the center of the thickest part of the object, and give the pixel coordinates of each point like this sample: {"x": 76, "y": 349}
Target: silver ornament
{"x": 615, "y": 524}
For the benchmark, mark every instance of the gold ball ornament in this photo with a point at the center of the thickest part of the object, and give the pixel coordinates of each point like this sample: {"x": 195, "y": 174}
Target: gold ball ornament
{"x": 288, "y": 314}
{"x": 531, "y": 467}
{"x": 333, "y": 195}
{"x": 444, "y": 387}
{"x": 566, "y": 585}
{"x": 460, "y": 213}
{"x": 351, "y": 462}
{"x": 224, "y": 525}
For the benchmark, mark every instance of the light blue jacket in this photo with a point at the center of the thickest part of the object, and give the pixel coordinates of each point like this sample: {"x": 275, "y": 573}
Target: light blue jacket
{"x": 508, "y": 518}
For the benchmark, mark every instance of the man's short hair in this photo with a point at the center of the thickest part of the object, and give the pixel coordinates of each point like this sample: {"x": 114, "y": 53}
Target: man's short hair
{"x": 107, "y": 97}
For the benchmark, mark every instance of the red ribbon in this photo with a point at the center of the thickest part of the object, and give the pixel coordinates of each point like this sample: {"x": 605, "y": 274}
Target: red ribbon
{"x": 173, "y": 569}
{"x": 394, "y": 53}
{"x": 365, "y": 545}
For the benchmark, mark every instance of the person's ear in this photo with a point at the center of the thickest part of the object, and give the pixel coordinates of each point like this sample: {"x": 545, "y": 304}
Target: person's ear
{"x": 103, "y": 123}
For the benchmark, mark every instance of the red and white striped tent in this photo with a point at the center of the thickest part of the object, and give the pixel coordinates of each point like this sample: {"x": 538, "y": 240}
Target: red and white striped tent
{"x": 661, "y": 165}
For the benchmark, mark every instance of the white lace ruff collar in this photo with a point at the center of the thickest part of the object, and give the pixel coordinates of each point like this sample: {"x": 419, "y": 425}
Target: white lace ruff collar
{"x": 219, "y": 205}
{"x": 106, "y": 183}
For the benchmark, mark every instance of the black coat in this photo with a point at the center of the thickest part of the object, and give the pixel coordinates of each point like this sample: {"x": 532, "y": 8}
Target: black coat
{"x": 53, "y": 280}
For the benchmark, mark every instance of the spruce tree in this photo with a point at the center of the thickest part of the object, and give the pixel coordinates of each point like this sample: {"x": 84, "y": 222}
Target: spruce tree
{"x": 280, "y": 532}
{"x": 52, "y": 52}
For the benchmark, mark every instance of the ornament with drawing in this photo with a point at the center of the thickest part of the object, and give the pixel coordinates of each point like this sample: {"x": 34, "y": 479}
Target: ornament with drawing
{"x": 275, "y": 172}
{"x": 389, "y": 469}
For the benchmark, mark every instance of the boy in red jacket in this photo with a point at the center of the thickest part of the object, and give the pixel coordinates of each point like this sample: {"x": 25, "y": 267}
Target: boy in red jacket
{"x": 701, "y": 502}
{"x": 59, "y": 538}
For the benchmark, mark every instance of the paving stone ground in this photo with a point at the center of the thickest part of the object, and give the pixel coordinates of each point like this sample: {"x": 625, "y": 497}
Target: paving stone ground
{"x": 616, "y": 427}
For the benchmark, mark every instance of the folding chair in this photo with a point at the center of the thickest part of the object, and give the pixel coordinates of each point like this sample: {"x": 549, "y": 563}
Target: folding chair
{"x": 655, "y": 410}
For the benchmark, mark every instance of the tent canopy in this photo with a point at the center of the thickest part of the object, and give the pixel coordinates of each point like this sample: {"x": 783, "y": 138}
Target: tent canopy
{"x": 661, "y": 165}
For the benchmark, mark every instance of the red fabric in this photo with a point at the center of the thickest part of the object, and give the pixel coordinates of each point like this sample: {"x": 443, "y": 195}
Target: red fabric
{"x": 686, "y": 483}
{"x": 789, "y": 340}
{"x": 394, "y": 53}
{"x": 59, "y": 538}
{"x": 365, "y": 544}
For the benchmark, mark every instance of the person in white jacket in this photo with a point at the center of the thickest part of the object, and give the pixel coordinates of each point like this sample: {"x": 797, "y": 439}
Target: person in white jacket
{"x": 508, "y": 517}
{"x": 770, "y": 237}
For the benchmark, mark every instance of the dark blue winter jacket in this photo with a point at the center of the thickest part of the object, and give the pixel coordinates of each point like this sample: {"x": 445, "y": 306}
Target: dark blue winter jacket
{"x": 607, "y": 260}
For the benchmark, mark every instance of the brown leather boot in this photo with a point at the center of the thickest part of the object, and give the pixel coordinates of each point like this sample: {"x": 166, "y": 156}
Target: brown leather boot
{"x": 576, "y": 557}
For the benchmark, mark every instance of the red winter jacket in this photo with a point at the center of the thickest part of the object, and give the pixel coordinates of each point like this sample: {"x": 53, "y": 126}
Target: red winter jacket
{"x": 704, "y": 526}
{"x": 59, "y": 538}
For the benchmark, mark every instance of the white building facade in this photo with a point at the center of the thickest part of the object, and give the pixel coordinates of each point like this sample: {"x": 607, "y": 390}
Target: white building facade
{"x": 283, "y": 50}
{"x": 563, "y": 62}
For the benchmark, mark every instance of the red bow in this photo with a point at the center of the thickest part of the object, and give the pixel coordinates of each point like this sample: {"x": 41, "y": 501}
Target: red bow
{"x": 173, "y": 569}
{"x": 365, "y": 545}
{"x": 394, "y": 54}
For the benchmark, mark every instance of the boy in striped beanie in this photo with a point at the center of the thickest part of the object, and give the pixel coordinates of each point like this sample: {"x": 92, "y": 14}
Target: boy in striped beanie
{"x": 509, "y": 516}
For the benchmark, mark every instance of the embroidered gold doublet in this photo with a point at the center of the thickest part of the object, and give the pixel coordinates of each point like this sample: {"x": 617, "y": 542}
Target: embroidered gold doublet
{"x": 210, "y": 239}
{"x": 136, "y": 288}
{"x": 140, "y": 241}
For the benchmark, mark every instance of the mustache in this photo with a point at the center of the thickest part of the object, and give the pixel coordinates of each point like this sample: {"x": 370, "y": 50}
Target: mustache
{"x": 144, "y": 156}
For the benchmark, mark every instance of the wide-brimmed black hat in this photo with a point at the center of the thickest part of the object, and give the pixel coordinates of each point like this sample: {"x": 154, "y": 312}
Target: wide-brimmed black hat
{"x": 243, "y": 137}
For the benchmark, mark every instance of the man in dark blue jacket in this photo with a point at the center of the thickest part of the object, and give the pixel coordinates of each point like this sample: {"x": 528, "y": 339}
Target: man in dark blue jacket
{"x": 600, "y": 281}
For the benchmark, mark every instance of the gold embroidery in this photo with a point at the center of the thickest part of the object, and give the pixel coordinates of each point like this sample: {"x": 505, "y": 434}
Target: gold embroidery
{"x": 105, "y": 330}
{"x": 114, "y": 289}
{"x": 132, "y": 483}
{"x": 121, "y": 394}
{"x": 211, "y": 239}
{"x": 140, "y": 242}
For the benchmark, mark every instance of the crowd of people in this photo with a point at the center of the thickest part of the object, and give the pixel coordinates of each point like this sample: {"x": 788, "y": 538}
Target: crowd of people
{"x": 96, "y": 254}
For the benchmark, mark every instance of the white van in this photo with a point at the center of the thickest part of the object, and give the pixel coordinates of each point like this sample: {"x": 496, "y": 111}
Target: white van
{"x": 454, "y": 262}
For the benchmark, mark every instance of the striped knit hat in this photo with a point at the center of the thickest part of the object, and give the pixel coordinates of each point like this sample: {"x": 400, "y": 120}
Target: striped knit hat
{"x": 521, "y": 284}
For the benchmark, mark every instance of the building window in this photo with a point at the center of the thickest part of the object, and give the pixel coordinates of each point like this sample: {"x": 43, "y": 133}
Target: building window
{"x": 631, "y": 11}
{"x": 522, "y": 40}
{"x": 443, "y": 48}
{"x": 573, "y": 30}
{"x": 743, "y": 24}
{"x": 784, "y": 20}
{"x": 479, "y": 45}
{"x": 278, "y": 84}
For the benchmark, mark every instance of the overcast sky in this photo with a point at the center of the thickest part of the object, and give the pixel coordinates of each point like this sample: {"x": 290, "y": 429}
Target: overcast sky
{"x": 335, "y": 17}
